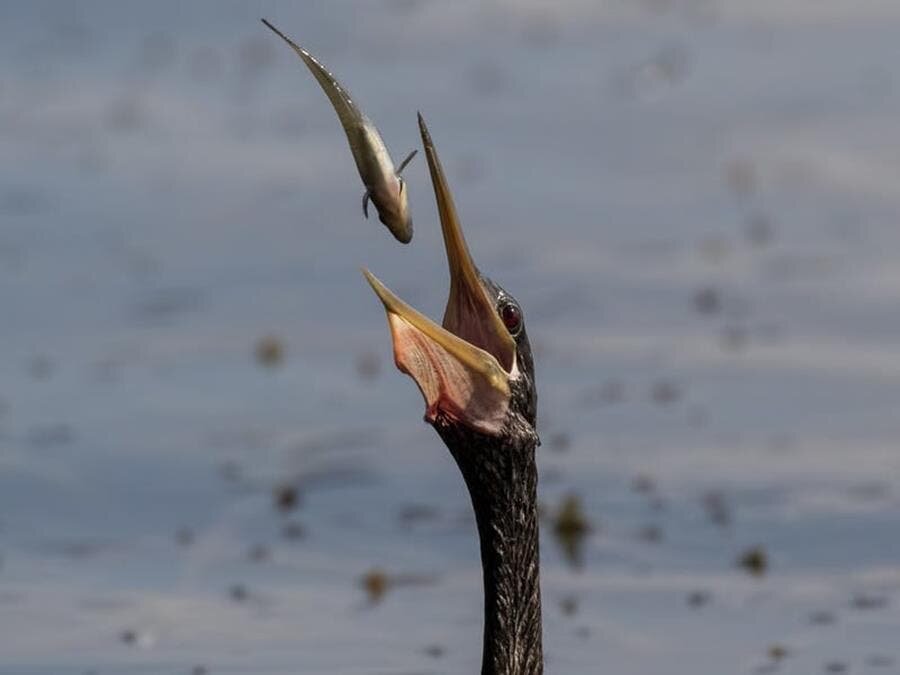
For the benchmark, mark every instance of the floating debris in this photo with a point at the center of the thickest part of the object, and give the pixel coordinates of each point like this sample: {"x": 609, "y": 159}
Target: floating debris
{"x": 77, "y": 549}
{"x": 184, "y": 537}
{"x": 286, "y": 497}
{"x": 41, "y": 367}
{"x": 650, "y": 533}
{"x": 231, "y": 471}
{"x": 867, "y": 601}
{"x": 162, "y": 306}
{"x": 259, "y": 553}
{"x": 871, "y": 491}
{"x": 668, "y": 66}
{"x": 126, "y": 114}
{"x": 717, "y": 509}
{"x": 239, "y": 593}
{"x": 836, "y": 667}
{"x": 697, "y": 599}
{"x": 880, "y": 661}
{"x": 269, "y": 351}
{"x": 754, "y": 561}
{"x": 571, "y": 526}
{"x": 376, "y": 583}
{"x": 759, "y": 230}
{"x": 777, "y": 652}
{"x": 569, "y": 605}
{"x": 643, "y": 484}
{"x": 50, "y": 435}
{"x": 199, "y": 670}
{"x": 740, "y": 176}
{"x": 136, "y": 638}
{"x": 559, "y": 441}
{"x": 822, "y": 617}
{"x": 665, "y": 392}
{"x": 434, "y": 651}
{"x": 368, "y": 366}
{"x": 734, "y": 338}
{"x": 672, "y": 62}
{"x": 707, "y": 301}
{"x": 412, "y": 514}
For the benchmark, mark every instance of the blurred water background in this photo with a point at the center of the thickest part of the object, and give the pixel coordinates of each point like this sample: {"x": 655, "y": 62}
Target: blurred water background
{"x": 208, "y": 463}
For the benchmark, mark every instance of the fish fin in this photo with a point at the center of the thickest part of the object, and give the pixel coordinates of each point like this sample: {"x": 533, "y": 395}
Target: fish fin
{"x": 366, "y": 203}
{"x": 406, "y": 161}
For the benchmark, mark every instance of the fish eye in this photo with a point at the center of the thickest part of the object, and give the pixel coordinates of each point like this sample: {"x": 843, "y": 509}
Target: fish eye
{"x": 511, "y": 315}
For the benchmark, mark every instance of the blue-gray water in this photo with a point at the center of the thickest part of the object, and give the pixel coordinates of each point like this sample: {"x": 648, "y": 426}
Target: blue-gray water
{"x": 696, "y": 203}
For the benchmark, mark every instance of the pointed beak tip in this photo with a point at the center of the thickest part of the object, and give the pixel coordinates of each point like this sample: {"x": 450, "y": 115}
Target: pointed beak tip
{"x": 426, "y": 136}
{"x": 392, "y": 304}
{"x": 372, "y": 279}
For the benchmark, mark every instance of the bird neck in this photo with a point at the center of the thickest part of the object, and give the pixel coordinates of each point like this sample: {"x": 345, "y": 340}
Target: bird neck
{"x": 502, "y": 482}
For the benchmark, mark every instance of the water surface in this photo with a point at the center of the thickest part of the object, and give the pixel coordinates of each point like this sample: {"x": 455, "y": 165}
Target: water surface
{"x": 694, "y": 201}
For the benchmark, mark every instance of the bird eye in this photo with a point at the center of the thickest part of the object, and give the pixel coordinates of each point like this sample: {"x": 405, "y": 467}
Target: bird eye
{"x": 511, "y": 316}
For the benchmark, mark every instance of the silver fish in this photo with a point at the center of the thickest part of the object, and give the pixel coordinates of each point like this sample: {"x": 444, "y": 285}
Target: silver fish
{"x": 384, "y": 185}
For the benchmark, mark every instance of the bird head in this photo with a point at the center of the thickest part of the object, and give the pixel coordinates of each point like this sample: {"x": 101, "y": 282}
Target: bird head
{"x": 475, "y": 369}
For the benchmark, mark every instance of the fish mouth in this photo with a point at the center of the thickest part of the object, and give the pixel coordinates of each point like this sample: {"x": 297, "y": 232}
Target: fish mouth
{"x": 464, "y": 366}
{"x": 392, "y": 204}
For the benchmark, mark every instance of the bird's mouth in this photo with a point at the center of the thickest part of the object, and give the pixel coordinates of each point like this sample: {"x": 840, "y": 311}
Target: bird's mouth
{"x": 463, "y": 368}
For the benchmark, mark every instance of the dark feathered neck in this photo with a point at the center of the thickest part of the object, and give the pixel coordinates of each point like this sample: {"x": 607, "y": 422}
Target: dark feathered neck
{"x": 501, "y": 475}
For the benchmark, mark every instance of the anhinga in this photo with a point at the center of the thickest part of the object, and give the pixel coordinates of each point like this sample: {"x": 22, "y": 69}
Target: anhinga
{"x": 477, "y": 376}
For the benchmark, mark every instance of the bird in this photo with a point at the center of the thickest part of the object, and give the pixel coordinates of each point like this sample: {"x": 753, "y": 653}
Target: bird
{"x": 476, "y": 374}
{"x": 384, "y": 184}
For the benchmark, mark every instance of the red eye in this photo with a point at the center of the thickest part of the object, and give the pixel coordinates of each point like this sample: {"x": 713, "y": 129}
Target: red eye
{"x": 512, "y": 317}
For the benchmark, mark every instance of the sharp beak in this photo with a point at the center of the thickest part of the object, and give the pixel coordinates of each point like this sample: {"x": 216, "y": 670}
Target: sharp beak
{"x": 470, "y": 312}
{"x": 463, "y": 367}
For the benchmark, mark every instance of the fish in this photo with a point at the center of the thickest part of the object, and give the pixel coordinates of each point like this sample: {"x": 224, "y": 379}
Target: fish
{"x": 385, "y": 186}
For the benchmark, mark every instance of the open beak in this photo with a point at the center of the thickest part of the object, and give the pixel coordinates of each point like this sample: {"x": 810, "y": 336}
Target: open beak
{"x": 463, "y": 367}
